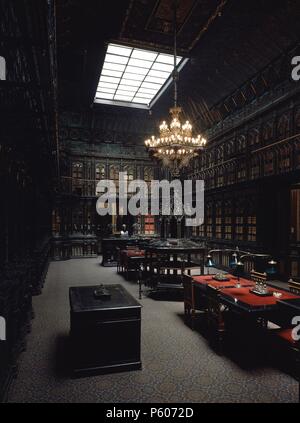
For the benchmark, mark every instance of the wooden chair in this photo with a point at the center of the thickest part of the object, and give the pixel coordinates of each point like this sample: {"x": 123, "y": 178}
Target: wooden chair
{"x": 188, "y": 298}
{"x": 258, "y": 277}
{"x": 194, "y": 301}
{"x": 294, "y": 285}
{"x": 132, "y": 261}
{"x": 215, "y": 318}
{"x": 119, "y": 261}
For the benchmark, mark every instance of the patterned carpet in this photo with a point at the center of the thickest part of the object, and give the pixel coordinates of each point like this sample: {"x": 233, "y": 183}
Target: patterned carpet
{"x": 178, "y": 364}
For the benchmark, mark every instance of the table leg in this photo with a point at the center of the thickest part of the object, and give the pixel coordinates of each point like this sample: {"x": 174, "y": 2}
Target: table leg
{"x": 139, "y": 273}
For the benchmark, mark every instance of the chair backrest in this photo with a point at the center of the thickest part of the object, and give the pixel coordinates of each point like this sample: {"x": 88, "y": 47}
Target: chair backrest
{"x": 294, "y": 285}
{"x": 258, "y": 277}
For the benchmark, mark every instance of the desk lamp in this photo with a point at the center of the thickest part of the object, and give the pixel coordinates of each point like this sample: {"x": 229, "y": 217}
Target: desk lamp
{"x": 234, "y": 261}
{"x": 239, "y": 271}
{"x": 271, "y": 270}
{"x": 209, "y": 262}
{"x": 260, "y": 285}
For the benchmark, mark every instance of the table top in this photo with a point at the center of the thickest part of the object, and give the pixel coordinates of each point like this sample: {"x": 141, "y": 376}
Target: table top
{"x": 130, "y": 238}
{"x": 82, "y": 299}
{"x": 133, "y": 253}
{"x": 175, "y": 246}
{"x": 245, "y": 299}
{"x": 231, "y": 284}
{"x": 206, "y": 280}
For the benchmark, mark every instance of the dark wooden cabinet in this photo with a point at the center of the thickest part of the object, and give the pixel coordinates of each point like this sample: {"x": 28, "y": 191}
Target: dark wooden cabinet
{"x": 105, "y": 334}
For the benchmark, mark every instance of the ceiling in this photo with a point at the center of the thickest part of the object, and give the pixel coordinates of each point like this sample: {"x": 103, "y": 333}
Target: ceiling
{"x": 227, "y": 41}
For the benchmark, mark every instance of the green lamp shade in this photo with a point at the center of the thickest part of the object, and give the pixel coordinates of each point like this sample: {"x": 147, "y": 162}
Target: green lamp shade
{"x": 271, "y": 270}
{"x": 209, "y": 261}
{"x": 234, "y": 261}
{"x": 239, "y": 268}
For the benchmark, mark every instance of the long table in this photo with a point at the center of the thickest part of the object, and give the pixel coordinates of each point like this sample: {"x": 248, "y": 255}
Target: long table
{"x": 244, "y": 301}
{"x": 196, "y": 290}
{"x": 250, "y": 312}
{"x": 289, "y": 308}
{"x": 216, "y": 298}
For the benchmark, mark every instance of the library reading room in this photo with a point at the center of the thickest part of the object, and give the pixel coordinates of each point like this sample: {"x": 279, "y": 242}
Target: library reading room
{"x": 150, "y": 213}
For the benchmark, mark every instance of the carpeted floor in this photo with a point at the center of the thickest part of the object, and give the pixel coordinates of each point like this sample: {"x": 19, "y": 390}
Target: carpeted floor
{"x": 178, "y": 363}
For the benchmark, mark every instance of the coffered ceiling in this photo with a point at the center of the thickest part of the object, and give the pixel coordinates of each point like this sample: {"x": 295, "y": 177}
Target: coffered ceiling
{"x": 227, "y": 41}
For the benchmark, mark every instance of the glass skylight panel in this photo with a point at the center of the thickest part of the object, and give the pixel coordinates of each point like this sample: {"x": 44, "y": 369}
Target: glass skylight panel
{"x": 145, "y": 64}
{"x": 123, "y": 97}
{"x": 105, "y": 96}
{"x": 106, "y": 85}
{"x": 145, "y": 96}
{"x": 159, "y": 74}
{"x": 107, "y": 90}
{"x": 167, "y": 59}
{"x": 128, "y": 88}
{"x": 111, "y": 58}
{"x": 109, "y": 79}
{"x": 151, "y": 85}
{"x": 130, "y": 82}
{"x": 132, "y": 75}
{"x": 114, "y": 67}
{"x": 109, "y": 72}
{"x": 155, "y": 80}
{"x": 163, "y": 67}
{"x": 144, "y": 55}
{"x": 137, "y": 71}
{"x": 119, "y": 50}
{"x": 147, "y": 91}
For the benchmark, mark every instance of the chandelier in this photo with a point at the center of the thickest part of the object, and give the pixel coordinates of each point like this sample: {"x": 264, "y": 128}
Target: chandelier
{"x": 176, "y": 145}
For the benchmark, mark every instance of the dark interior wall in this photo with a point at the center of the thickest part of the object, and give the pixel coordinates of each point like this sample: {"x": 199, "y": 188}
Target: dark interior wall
{"x": 102, "y": 142}
{"x": 27, "y": 131}
{"x": 106, "y": 131}
{"x": 27, "y": 167}
{"x": 251, "y": 163}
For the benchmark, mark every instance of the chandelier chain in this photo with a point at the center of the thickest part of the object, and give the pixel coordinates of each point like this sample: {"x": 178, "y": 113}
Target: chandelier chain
{"x": 175, "y": 74}
{"x": 175, "y": 146}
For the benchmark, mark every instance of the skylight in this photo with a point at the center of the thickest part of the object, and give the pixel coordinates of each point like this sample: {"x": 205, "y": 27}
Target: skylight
{"x": 133, "y": 77}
